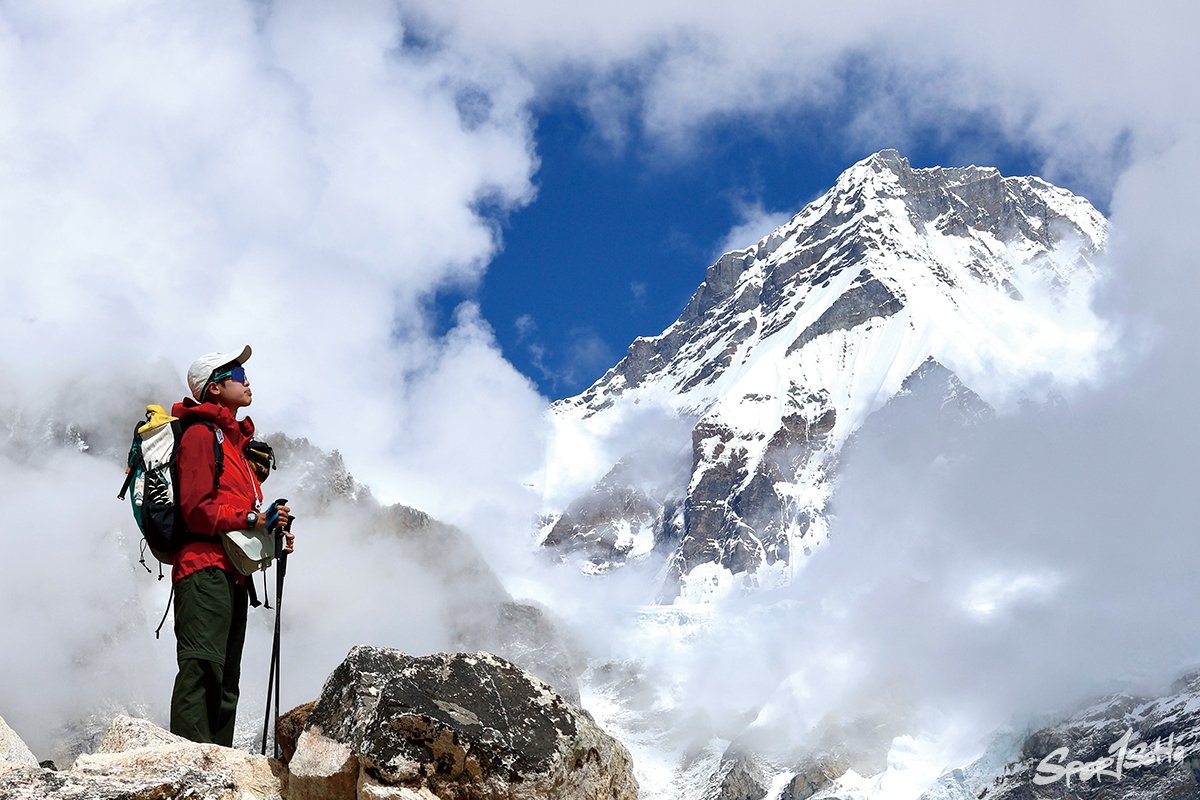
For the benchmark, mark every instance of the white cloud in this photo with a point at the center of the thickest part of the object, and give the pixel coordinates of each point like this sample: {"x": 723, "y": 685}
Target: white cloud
{"x": 177, "y": 179}
{"x": 180, "y": 178}
{"x": 881, "y": 620}
{"x": 526, "y": 326}
{"x": 1065, "y": 82}
{"x": 754, "y": 222}
{"x": 638, "y": 290}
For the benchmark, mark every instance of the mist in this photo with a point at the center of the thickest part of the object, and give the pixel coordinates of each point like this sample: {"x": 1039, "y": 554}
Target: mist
{"x": 987, "y": 580}
{"x": 306, "y": 177}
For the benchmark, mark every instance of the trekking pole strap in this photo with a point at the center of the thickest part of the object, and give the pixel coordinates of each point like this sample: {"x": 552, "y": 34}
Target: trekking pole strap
{"x": 163, "y": 621}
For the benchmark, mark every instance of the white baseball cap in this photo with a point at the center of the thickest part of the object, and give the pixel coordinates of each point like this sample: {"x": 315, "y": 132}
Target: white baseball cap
{"x": 202, "y": 368}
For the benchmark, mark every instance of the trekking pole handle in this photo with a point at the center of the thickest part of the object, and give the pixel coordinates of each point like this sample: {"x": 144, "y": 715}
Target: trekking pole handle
{"x": 280, "y": 531}
{"x": 287, "y": 528}
{"x": 273, "y": 514}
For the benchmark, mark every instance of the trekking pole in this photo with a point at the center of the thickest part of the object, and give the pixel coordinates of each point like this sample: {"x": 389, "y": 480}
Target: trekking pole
{"x": 273, "y": 674}
{"x": 279, "y": 543}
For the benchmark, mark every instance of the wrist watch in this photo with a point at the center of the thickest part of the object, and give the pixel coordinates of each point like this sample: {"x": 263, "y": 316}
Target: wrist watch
{"x": 251, "y": 519}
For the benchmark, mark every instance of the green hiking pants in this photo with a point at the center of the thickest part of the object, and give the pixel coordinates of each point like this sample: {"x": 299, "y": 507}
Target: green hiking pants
{"x": 210, "y": 628}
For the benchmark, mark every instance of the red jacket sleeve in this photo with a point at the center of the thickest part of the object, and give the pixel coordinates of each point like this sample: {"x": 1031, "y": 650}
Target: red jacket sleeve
{"x": 203, "y": 513}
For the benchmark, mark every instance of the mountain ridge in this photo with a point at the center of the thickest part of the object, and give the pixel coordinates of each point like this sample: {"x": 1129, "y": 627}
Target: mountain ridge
{"x": 790, "y": 343}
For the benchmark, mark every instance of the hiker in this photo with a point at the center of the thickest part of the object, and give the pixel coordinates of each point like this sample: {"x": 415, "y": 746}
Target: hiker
{"x": 211, "y": 596}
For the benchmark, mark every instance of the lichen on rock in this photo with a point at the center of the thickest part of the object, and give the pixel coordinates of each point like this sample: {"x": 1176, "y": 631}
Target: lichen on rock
{"x": 455, "y": 725}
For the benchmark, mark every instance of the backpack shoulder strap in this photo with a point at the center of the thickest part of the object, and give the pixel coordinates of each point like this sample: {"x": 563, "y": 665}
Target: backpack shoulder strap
{"x": 218, "y": 450}
{"x": 218, "y": 454}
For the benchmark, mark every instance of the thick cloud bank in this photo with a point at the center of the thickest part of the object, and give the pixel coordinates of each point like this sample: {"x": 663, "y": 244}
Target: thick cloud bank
{"x": 177, "y": 178}
{"x": 180, "y": 179}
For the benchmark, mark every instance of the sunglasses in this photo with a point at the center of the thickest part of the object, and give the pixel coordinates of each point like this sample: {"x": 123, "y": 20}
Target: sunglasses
{"x": 236, "y": 374}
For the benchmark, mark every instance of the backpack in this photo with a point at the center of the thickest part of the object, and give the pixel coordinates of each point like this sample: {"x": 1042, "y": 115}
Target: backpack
{"x": 154, "y": 477}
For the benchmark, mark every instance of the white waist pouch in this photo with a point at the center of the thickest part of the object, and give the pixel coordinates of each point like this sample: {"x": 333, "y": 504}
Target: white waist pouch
{"x": 249, "y": 550}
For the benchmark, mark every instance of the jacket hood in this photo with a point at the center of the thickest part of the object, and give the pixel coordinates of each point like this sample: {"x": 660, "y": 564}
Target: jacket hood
{"x": 189, "y": 409}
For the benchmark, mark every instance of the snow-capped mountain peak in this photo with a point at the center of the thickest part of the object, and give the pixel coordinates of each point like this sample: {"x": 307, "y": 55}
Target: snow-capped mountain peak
{"x": 791, "y": 343}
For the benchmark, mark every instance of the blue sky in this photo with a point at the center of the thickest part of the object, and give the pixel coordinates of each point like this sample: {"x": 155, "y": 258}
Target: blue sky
{"x": 620, "y": 233}
{"x": 186, "y": 177}
{"x": 337, "y": 154}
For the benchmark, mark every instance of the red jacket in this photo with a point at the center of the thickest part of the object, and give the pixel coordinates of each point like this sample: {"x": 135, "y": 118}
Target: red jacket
{"x": 208, "y": 512}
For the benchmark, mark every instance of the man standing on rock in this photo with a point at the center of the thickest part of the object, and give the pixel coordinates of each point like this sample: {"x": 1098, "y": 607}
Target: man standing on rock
{"x": 211, "y": 596}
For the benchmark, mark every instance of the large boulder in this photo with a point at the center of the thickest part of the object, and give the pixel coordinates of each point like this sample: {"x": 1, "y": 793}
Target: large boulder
{"x": 137, "y": 759}
{"x": 389, "y": 725}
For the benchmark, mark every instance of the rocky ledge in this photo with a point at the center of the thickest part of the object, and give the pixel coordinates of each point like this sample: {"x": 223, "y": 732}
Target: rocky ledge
{"x": 387, "y": 726}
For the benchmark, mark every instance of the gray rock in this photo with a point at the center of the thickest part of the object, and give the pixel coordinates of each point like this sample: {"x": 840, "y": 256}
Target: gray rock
{"x": 459, "y": 725}
{"x": 12, "y": 749}
{"x": 867, "y": 298}
{"x": 608, "y": 524}
{"x": 814, "y": 775}
{"x": 594, "y": 523}
{"x": 319, "y": 476}
{"x": 738, "y": 777}
{"x": 139, "y": 761}
{"x": 737, "y": 518}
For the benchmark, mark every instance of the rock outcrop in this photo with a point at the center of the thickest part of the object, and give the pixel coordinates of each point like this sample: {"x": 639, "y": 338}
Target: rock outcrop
{"x": 138, "y": 760}
{"x": 389, "y": 725}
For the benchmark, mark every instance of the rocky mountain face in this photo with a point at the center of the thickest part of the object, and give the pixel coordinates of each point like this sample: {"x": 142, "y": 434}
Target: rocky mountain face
{"x": 896, "y": 275}
{"x": 387, "y": 726}
{"x": 1121, "y": 747}
{"x": 1127, "y": 747}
